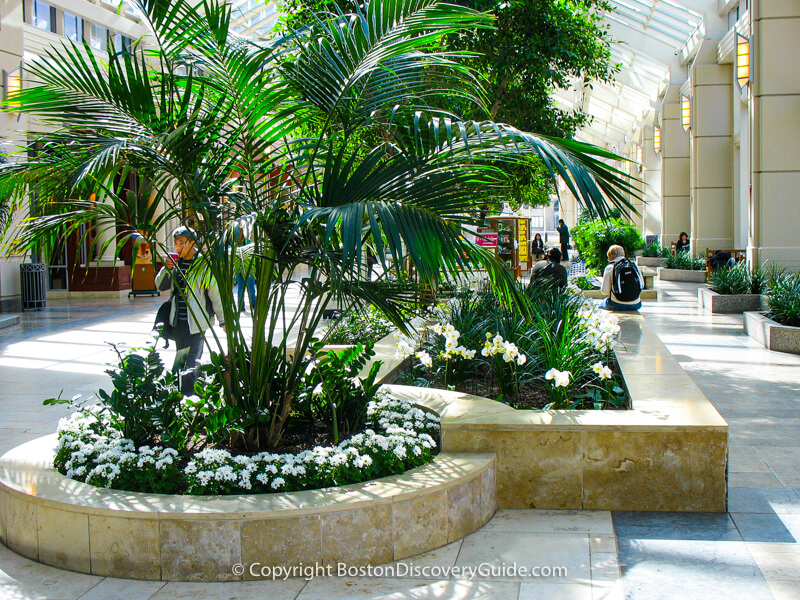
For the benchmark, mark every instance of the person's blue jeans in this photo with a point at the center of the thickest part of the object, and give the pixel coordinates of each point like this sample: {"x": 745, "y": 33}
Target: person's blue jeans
{"x": 609, "y": 304}
{"x": 251, "y": 290}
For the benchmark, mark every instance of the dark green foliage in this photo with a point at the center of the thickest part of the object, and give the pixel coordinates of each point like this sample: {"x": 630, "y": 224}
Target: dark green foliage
{"x": 655, "y": 250}
{"x": 334, "y": 393}
{"x": 739, "y": 279}
{"x": 684, "y": 260}
{"x": 783, "y": 300}
{"x": 593, "y": 239}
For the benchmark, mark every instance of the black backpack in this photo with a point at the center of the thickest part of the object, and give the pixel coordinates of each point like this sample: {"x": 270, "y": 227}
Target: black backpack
{"x": 625, "y": 284}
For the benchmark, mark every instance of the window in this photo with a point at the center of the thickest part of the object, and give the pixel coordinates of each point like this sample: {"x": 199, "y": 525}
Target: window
{"x": 537, "y": 222}
{"x": 122, "y": 43}
{"x": 44, "y": 16}
{"x": 98, "y": 37}
{"x": 73, "y": 27}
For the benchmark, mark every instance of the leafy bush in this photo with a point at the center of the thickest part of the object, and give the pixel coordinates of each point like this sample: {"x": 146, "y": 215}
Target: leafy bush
{"x": 593, "y": 239}
{"x": 683, "y": 260}
{"x": 365, "y": 327}
{"x": 584, "y": 283}
{"x": 146, "y": 406}
{"x": 739, "y": 279}
{"x": 783, "y": 300}
{"x": 655, "y": 250}
{"x": 334, "y": 393}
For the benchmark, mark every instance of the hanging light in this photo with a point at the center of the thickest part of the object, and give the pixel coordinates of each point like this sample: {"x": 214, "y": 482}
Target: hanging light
{"x": 686, "y": 112}
{"x": 742, "y": 61}
{"x": 657, "y": 139}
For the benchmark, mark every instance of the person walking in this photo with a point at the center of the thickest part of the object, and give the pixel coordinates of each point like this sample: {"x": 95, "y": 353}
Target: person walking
{"x": 563, "y": 238}
{"x": 193, "y": 305}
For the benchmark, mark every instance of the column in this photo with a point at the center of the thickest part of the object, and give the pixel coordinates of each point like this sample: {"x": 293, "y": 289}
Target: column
{"x": 775, "y": 114}
{"x": 675, "y": 191}
{"x": 712, "y": 152}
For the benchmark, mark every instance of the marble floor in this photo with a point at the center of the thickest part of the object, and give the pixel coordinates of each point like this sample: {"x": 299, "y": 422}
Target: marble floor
{"x": 750, "y": 552}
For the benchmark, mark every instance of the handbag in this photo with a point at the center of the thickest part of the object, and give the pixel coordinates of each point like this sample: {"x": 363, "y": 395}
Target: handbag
{"x": 163, "y": 324}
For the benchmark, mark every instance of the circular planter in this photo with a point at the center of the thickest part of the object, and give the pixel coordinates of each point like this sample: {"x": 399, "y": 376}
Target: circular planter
{"x": 68, "y": 524}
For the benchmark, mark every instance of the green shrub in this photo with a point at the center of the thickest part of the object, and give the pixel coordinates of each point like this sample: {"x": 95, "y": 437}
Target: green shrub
{"x": 593, "y": 239}
{"x": 783, "y": 300}
{"x": 364, "y": 327}
{"x": 739, "y": 279}
{"x": 655, "y": 250}
{"x": 584, "y": 283}
{"x": 683, "y": 260}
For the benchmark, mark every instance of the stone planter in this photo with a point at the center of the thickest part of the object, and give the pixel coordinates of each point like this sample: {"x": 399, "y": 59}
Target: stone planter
{"x": 665, "y": 274}
{"x": 71, "y": 525}
{"x": 649, "y": 261}
{"x": 772, "y": 335}
{"x": 727, "y": 303}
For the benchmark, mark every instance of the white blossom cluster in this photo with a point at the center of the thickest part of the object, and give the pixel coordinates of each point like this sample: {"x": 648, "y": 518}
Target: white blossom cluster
{"x": 497, "y": 345}
{"x": 451, "y": 346}
{"x": 400, "y": 437}
{"x": 601, "y": 326}
{"x": 101, "y": 460}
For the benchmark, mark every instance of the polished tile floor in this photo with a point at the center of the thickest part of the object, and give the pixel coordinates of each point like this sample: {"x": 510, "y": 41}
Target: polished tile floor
{"x": 750, "y": 552}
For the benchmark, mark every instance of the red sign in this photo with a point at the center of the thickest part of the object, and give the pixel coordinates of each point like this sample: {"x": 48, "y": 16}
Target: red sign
{"x": 491, "y": 239}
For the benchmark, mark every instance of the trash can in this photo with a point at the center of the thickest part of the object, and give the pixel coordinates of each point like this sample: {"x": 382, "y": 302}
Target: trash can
{"x": 33, "y": 279}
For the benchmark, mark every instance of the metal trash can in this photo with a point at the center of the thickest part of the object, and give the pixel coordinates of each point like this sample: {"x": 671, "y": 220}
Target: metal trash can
{"x": 33, "y": 279}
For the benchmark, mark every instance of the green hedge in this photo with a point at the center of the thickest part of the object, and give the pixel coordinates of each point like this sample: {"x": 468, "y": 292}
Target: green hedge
{"x": 593, "y": 239}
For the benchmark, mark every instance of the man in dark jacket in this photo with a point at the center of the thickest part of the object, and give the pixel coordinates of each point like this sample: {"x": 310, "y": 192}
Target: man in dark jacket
{"x": 551, "y": 268}
{"x": 563, "y": 238}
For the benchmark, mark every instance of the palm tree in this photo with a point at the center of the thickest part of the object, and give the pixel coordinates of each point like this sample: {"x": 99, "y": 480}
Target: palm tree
{"x": 317, "y": 145}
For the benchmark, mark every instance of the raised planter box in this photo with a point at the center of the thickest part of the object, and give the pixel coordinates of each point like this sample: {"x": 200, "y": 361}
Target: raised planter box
{"x": 772, "y": 335}
{"x": 665, "y": 274}
{"x": 727, "y": 303}
{"x": 649, "y": 261}
{"x": 668, "y": 453}
{"x": 71, "y": 525}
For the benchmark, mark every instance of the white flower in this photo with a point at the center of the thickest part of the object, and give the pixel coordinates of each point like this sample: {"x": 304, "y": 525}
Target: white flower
{"x": 425, "y": 359}
{"x": 560, "y": 378}
{"x": 278, "y": 482}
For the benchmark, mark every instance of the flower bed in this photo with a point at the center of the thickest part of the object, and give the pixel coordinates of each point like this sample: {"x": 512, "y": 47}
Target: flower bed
{"x": 398, "y": 438}
{"x": 557, "y": 357}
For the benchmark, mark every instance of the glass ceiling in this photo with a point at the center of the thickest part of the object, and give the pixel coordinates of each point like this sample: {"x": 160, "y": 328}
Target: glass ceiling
{"x": 253, "y": 18}
{"x": 653, "y": 37}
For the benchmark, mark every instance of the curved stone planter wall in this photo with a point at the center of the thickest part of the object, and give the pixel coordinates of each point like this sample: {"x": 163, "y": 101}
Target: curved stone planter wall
{"x": 665, "y": 274}
{"x": 727, "y": 303}
{"x": 772, "y": 335}
{"x": 64, "y": 523}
